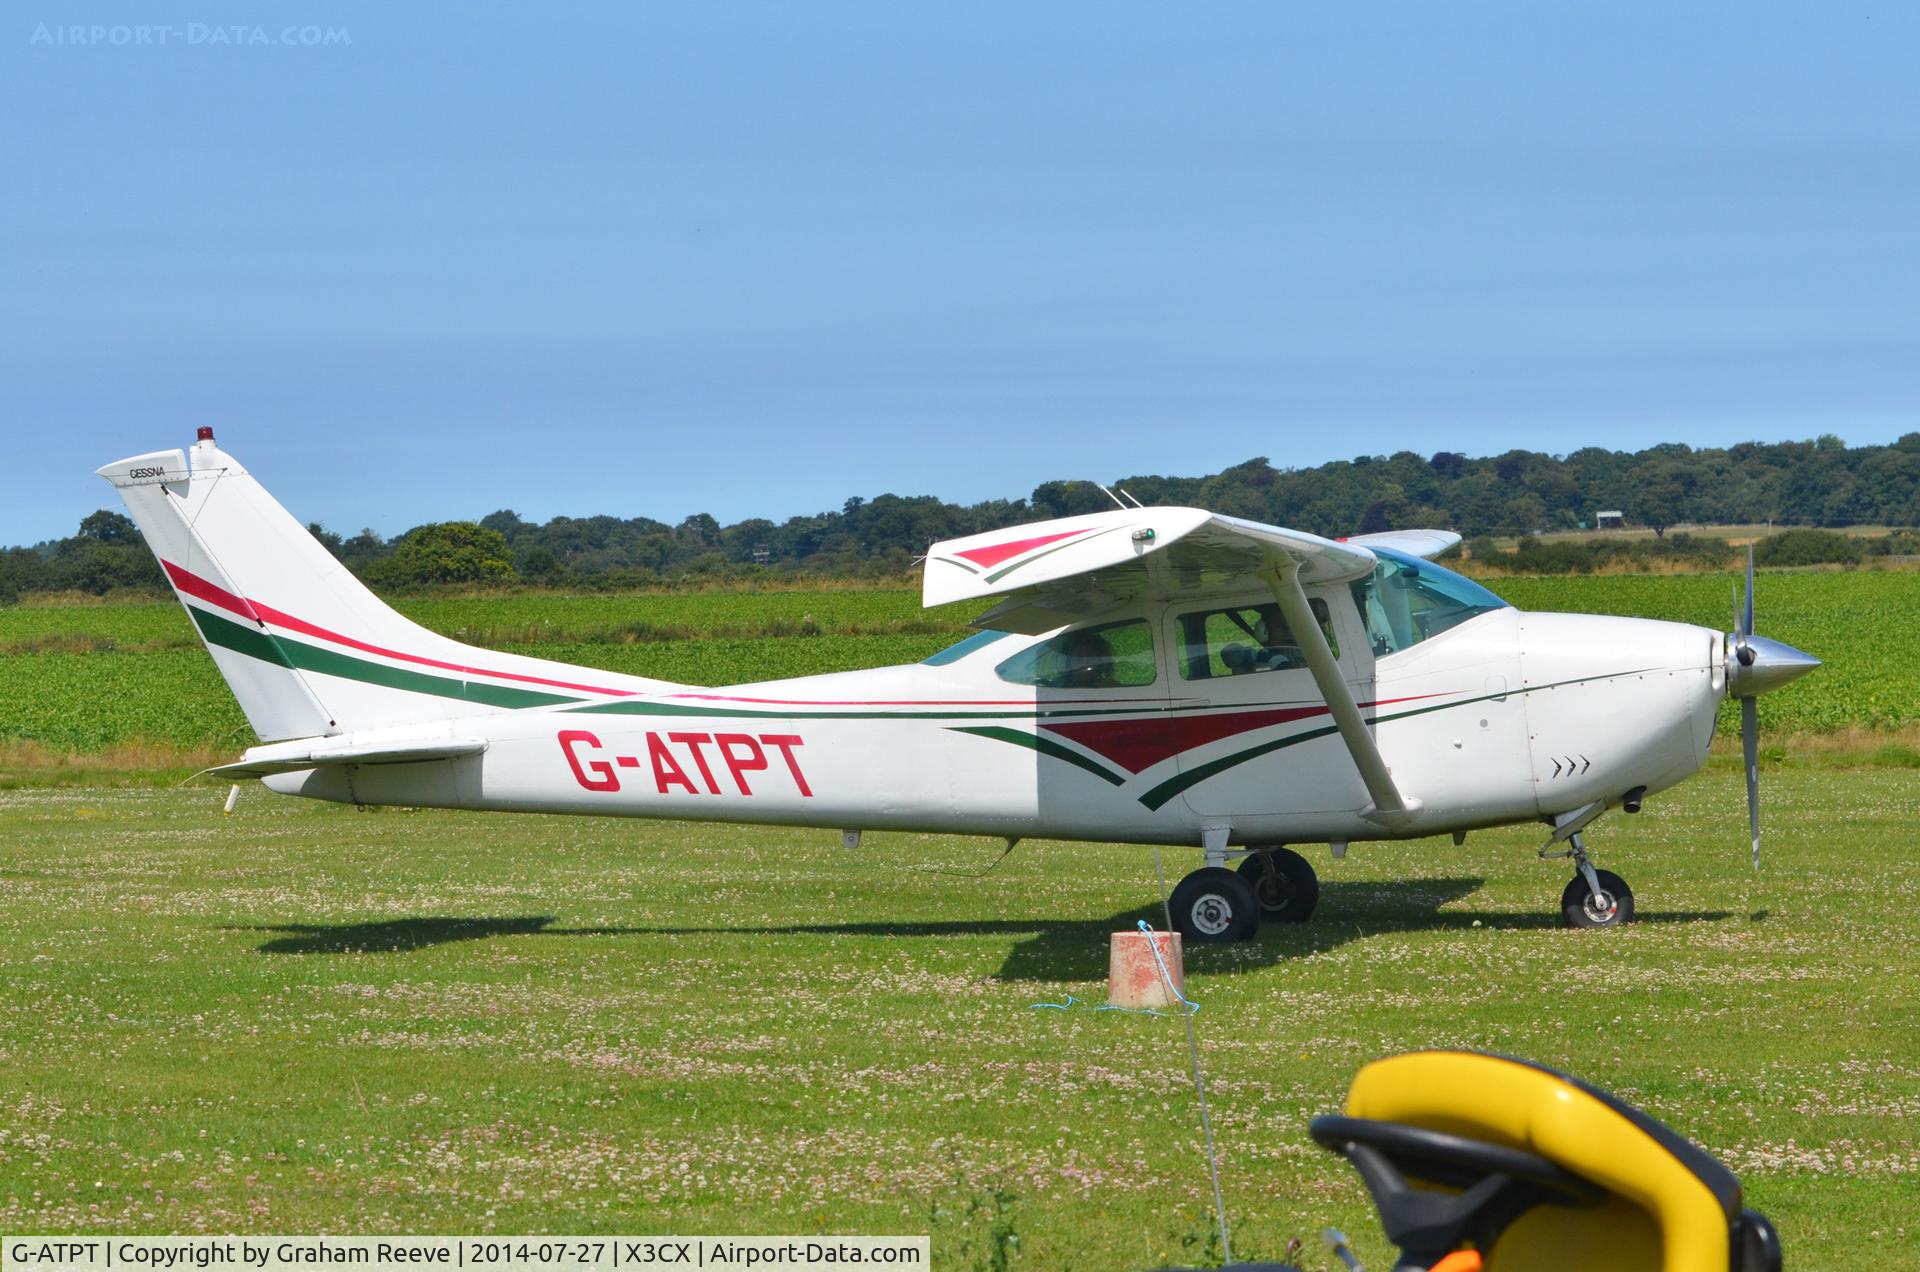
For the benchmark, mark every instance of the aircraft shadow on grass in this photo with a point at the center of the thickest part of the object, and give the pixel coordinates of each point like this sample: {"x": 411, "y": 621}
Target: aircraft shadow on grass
{"x": 1064, "y": 950}
{"x": 393, "y": 936}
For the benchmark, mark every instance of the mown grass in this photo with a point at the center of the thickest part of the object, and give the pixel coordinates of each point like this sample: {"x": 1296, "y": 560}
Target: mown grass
{"x": 303, "y": 1018}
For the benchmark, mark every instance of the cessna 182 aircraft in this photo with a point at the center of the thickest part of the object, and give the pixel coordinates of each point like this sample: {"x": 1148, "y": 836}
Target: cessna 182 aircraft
{"x": 1145, "y": 675}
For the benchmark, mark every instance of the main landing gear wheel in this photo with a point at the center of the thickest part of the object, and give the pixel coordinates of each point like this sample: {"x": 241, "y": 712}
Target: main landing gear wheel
{"x": 1284, "y": 883}
{"x": 1214, "y": 904}
{"x": 1610, "y": 907}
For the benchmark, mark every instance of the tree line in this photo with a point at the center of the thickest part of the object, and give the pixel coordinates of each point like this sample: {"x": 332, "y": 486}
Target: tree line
{"x": 1819, "y": 483}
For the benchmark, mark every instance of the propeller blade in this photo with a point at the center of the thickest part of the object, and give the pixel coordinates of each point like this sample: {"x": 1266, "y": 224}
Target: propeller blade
{"x": 1746, "y": 614}
{"x": 1750, "y": 747}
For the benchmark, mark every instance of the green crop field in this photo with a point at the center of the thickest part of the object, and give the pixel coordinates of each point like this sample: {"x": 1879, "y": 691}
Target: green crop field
{"x": 303, "y": 1018}
{"x": 88, "y": 677}
{"x": 523, "y": 619}
{"x": 1861, "y": 623}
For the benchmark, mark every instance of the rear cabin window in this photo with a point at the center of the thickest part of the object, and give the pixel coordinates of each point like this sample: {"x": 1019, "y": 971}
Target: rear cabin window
{"x": 955, "y": 652}
{"x": 1244, "y": 640}
{"x": 1110, "y": 656}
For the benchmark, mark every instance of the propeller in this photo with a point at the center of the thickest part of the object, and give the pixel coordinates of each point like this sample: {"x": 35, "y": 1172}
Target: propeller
{"x": 1749, "y": 711}
{"x": 1750, "y": 751}
{"x": 1755, "y": 665}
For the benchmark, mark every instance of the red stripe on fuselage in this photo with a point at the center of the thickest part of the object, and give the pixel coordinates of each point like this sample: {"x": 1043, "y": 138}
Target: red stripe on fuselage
{"x": 903, "y": 702}
{"x": 1138, "y": 745}
{"x": 193, "y": 585}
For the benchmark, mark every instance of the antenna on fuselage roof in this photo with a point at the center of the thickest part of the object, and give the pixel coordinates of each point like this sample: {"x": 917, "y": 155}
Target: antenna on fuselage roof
{"x": 1129, "y": 494}
{"x": 1109, "y": 494}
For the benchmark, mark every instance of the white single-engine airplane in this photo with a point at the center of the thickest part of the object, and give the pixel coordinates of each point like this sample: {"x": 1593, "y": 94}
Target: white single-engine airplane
{"x": 1145, "y": 675}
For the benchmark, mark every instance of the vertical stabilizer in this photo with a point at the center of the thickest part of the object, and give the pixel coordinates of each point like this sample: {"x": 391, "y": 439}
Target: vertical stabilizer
{"x": 306, "y": 648}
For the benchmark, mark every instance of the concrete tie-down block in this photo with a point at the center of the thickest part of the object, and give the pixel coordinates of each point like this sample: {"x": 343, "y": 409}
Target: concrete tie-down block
{"x": 1133, "y": 978}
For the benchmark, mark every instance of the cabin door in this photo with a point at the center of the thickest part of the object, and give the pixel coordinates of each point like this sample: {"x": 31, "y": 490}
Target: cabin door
{"x": 1256, "y": 739}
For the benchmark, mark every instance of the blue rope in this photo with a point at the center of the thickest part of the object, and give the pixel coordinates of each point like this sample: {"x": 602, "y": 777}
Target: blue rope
{"x": 1154, "y": 947}
{"x": 1165, "y": 976}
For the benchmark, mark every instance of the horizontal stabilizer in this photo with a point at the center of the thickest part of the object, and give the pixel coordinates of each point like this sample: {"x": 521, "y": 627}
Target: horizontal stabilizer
{"x": 307, "y": 753}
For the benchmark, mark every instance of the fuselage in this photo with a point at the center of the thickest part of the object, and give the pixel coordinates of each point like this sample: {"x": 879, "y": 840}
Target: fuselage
{"x": 1185, "y": 718}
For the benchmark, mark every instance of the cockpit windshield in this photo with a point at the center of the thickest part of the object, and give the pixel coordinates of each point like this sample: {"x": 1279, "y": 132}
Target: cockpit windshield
{"x": 1406, "y": 600}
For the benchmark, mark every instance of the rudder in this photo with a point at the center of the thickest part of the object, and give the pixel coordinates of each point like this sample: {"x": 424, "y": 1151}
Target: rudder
{"x": 305, "y": 647}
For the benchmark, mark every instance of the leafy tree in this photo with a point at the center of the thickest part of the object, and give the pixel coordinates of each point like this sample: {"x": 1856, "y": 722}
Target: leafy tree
{"x": 109, "y": 527}
{"x": 1660, "y": 499}
{"x": 89, "y": 565}
{"x": 698, "y": 531}
{"x": 1482, "y": 548}
{"x": 1820, "y": 482}
{"x": 21, "y": 570}
{"x": 1524, "y": 514}
{"x": 447, "y": 552}
{"x": 1387, "y": 511}
{"x": 1807, "y": 547}
{"x": 536, "y": 563}
{"x": 506, "y": 521}
{"x": 361, "y": 551}
{"x": 1067, "y": 499}
{"x": 105, "y": 554}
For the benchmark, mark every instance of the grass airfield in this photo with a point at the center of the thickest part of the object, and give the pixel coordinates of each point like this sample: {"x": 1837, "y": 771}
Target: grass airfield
{"x": 304, "y": 1018}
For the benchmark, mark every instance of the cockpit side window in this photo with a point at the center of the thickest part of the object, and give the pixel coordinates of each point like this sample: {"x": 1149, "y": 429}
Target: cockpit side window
{"x": 1108, "y": 656}
{"x": 1244, "y": 640}
{"x": 1406, "y": 600}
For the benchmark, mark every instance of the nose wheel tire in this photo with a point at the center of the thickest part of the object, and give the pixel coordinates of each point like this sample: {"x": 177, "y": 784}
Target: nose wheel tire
{"x": 1283, "y": 883}
{"x": 1214, "y": 904}
{"x": 1612, "y": 906}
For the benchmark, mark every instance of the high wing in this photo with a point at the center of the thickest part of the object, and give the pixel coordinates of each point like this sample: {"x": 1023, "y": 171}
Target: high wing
{"x": 1421, "y": 543}
{"x": 1050, "y": 573}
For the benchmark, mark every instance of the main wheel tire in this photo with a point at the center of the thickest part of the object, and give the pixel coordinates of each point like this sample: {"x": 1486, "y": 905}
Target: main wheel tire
{"x": 1214, "y": 904}
{"x": 1581, "y": 909}
{"x": 1284, "y": 884}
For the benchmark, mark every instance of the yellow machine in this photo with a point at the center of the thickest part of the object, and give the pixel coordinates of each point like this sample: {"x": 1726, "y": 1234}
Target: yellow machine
{"x": 1485, "y": 1162}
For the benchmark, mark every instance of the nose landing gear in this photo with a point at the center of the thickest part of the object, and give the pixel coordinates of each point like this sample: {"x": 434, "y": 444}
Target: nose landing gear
{"x": 1604, "y": 900}
{"x": 1594, "y": 898}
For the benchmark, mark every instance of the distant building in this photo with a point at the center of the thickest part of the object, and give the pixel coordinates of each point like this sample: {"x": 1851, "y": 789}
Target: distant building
{"x": 1612, "y": 519}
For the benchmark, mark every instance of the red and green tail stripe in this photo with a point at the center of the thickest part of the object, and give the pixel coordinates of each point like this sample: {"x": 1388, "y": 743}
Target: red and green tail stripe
{"x": 258, "y": 641}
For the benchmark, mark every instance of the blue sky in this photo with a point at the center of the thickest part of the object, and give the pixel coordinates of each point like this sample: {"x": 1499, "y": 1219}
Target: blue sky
{"x": 751, "y": 260}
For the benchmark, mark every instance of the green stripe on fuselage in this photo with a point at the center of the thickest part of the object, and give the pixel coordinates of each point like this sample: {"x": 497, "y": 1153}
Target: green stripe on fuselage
{"x": 300, "y": 656}
{"x": 805, "y": 711}
{"x": 1046, "y": 746}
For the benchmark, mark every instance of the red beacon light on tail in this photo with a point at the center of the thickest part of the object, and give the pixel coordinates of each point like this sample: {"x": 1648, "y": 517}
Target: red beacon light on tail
{"x": 204, "y": 433}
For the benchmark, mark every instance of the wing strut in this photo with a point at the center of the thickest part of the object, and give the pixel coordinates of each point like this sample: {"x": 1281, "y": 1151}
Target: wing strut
{"x": 1388, "y": 806}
